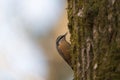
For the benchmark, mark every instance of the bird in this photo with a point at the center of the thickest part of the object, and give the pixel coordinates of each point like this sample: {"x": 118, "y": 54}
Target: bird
{"x": 63, "y": 48}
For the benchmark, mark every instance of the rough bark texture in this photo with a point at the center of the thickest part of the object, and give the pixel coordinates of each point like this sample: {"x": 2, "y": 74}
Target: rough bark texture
{"x": 94, "y": 26}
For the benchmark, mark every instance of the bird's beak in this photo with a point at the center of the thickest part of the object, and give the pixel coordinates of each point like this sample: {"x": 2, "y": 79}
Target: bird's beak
{"x": 65, "y": 34}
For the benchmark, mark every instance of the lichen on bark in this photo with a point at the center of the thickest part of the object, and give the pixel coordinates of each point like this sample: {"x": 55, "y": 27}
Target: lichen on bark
{"x": 95, "y": 39}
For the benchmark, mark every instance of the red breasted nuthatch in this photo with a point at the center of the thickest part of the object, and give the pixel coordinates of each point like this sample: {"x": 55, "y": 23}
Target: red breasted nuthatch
{"x": 63, "y": 48}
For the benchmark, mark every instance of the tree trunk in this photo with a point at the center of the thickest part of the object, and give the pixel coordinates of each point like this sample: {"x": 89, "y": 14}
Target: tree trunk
{"x": 94, "y": 26}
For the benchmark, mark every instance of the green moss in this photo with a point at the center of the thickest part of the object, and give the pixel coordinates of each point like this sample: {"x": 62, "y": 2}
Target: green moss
{"x": 99, "y": 16}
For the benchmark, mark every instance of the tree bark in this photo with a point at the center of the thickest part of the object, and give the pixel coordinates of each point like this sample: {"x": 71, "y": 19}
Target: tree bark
{"x": 94, "y": 26}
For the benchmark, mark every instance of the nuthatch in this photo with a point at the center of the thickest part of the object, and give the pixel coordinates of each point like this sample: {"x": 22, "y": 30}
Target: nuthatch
{"x": 63, "y": 48}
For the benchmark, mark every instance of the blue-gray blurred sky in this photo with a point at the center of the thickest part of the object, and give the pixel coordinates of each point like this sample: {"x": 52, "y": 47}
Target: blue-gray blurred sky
{"x": 42, "y": 14}
{"x": 20, "y": 56}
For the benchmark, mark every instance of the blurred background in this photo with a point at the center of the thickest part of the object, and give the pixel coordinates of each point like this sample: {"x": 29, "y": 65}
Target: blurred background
{"x": 28, "y": 32}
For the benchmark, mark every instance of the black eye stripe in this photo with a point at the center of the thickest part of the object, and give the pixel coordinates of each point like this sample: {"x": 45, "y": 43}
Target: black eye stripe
{"x": 59, "y": 38}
